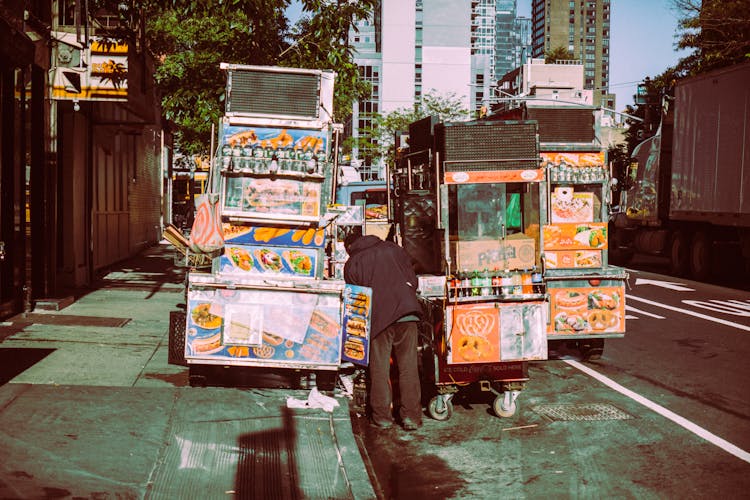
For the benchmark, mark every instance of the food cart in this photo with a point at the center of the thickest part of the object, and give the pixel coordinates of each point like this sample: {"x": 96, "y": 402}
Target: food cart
{"x": 470, "y": 201}
{"x": 587, "y": 295}
{"x": 271, "y": 298}
{"x": 510, "y": 248}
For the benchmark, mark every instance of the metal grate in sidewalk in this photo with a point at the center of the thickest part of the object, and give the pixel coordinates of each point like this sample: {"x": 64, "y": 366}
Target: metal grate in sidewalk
{"x": 581, "y": 411}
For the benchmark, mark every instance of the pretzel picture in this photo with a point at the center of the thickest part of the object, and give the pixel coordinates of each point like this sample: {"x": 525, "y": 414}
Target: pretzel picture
{"x": 475, "y": 335}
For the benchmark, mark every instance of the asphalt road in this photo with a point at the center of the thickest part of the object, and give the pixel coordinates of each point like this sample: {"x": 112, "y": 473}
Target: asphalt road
{"x": 665, "y": 413}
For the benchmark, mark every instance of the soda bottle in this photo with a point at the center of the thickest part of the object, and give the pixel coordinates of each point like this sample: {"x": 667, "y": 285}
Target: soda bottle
{"x": 465, "y": 283}
{"x": 506, "y": 283}
{"x": 496, "y": 283}
{"x": 517, "y": 283}
{"x": 486, "y": 281}
{"x": 476, "y": 284}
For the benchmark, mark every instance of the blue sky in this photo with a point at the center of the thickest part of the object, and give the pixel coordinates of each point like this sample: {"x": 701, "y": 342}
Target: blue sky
{"x": 642, "y": 37}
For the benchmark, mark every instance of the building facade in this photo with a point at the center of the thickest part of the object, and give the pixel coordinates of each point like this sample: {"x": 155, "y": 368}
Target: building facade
{"x": 81, "y": 152}
{"x": 583, "y": 28}
{"x": 410, "y": 48}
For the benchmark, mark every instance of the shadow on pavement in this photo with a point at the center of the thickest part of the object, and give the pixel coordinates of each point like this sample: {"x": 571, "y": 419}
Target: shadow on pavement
{"x": 14, "y": 361}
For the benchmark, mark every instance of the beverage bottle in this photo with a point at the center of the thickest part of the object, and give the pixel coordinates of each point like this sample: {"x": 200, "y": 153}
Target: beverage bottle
{"x": 465, "y": 283}
{"x": 247, "y": 157}
{"x": 486, "y": 283}
{"x": 455, "y": 285}
{"x": 496, "y": 283}
{"x": 517, "y": 283}
{"x": 526, "y": 284}
{"x": 258, "y": 157}
{"x": 537, "y": 281}
{"x": 476, "y": 284}
{"x": 506, "y": 283}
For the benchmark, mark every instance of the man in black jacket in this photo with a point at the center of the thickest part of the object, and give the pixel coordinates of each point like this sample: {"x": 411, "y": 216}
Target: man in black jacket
{"x": 386, "y": 268}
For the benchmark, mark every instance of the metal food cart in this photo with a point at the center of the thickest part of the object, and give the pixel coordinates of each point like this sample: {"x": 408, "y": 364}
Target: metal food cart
{"x": 509, "y": 240}
{"x": 271, "y": 298}
{"x": 470, "y": 203}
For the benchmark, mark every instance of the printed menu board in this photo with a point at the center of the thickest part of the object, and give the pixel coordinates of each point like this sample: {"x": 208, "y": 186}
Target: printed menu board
{"x": 474, "y": 333}
{"x": 572, "y": 259}
{"x": 357, "y": 310}
{"x": 271, "y": 197}
{"x": 576, "y": 310}
{"x": 573, "y": 236}
{"x": 270, "y": 260}
{"x": 264, "y": 327}
{"x": 276, "y": 236}
{"x": 492, "y": 332}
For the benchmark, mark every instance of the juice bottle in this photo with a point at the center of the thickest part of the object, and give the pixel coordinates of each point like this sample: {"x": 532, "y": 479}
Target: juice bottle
{"x": 526, "y": 284}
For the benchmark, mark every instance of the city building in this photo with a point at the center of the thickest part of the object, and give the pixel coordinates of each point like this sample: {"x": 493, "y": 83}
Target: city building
{"x": 583, "y": 28}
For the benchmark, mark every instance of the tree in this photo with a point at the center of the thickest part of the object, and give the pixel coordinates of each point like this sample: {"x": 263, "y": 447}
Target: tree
{"x": 189, "y": 38}
{"x": 380, "y": 138}
{"x": 559, "y": 53}
{"x": 717, "y": 30}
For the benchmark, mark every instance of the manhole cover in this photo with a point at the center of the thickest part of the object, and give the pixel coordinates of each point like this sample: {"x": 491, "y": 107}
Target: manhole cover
{"x": 582, "y": 411}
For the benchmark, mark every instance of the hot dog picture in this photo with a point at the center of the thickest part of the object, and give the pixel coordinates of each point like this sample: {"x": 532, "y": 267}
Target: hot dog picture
{"x": 354, "y": 349}
{"x": 356, "y": 326}
{"x": 206, "y": 345}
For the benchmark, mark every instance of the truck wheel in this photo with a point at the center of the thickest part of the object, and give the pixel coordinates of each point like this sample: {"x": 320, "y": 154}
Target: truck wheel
{"x": 679, "y": 254}
{"x": 700, "y": 256}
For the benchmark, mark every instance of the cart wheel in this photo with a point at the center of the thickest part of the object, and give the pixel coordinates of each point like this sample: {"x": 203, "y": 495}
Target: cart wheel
{"x": 440, "y": 410}
{"x": 592, "y": 349}
{"x": 503, "y": 411}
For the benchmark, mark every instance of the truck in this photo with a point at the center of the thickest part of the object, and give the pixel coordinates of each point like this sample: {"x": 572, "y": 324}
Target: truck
{"x": 687, "y": 191}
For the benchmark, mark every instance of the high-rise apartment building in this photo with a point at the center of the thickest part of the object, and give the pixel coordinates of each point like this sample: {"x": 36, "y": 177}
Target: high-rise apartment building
{"x": 506, "y": 37}
{"x": 410, "y": 48}
{"x": 582, "y": 27}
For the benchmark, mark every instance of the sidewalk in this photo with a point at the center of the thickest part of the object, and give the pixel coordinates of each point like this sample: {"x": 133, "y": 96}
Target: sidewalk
{"x": 91, "y": 408}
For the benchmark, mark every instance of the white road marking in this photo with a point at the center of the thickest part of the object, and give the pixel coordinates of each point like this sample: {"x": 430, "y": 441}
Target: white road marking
{"x": 690, "y": 313}
{"x": 681, "y": 421}
{"x": 631, "y": 308}
{"x": 664, "y": 284}
{"x": 733, "y": 307}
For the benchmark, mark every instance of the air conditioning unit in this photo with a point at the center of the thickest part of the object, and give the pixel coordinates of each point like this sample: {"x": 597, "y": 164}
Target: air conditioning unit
{"x": 277, "y": 95}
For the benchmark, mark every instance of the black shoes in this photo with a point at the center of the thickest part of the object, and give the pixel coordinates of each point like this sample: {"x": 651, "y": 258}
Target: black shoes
{"x": 381, "y": 424}
{"x": 410, "y": 425}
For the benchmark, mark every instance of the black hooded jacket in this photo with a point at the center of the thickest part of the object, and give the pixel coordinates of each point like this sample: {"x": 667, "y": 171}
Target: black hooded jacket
{"x": 386, "y": 268}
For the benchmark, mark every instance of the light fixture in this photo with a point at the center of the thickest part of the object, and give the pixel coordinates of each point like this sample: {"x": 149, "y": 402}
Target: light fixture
{"x": 76, "y": 106}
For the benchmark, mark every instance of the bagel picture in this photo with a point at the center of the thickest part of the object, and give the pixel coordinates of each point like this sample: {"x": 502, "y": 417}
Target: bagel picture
{"x": 570, "y": 299}
{"x": 602, "y": 319}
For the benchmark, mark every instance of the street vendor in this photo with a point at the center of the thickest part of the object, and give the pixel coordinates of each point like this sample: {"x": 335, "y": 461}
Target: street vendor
{"x": 386, "y": 268}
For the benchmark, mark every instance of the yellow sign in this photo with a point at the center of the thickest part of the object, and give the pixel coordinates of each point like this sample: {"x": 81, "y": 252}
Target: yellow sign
{"x": 98, "y": 72}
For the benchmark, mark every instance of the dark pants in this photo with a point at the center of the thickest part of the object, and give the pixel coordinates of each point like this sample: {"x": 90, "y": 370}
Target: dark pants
{"x": 401, "y": 339}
